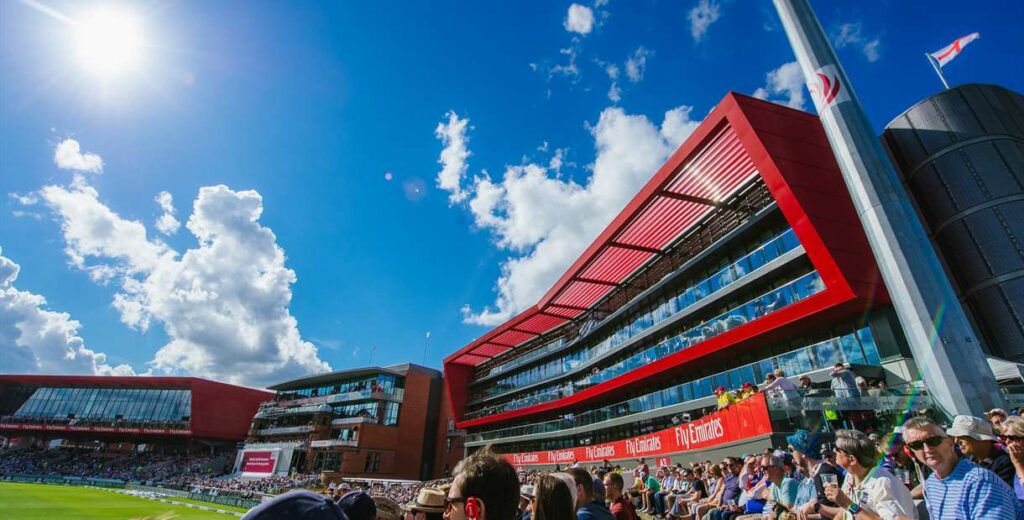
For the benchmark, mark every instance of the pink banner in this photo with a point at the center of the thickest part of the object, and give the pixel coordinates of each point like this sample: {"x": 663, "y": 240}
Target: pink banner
{"x": 743, "y": 420}
{"x": 259, "y": 461}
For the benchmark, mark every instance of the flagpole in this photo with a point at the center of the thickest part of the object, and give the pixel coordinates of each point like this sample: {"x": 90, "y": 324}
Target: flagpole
{"x": 938, "y": 69}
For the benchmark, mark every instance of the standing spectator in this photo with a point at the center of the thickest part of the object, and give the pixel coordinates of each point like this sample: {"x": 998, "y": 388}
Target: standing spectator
{"x": 552, "y": 500}
{"x": 724, "y": 397}
{"x": 875, "y": 492}
{"x": 957, "y": 488}
{"x": 843, "y": 382}
{"x": 1013, "y": 437}
{"x": 806, "y": 447}
{"x": 486, "y": 487}
{"x": 299, "y": 504}
{"x": 621, "y": 507}
{"x": 586, "y": 507}
{"x": 975, "y": 438}
{"x": 779, "y": 386}
{"x": 806, "y": 386}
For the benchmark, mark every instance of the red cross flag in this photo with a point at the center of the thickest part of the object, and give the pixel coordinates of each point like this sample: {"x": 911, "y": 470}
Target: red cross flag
{"x": 947, "y": 53}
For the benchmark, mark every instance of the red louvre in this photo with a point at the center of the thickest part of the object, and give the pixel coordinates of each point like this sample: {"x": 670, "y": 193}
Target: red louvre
{"x": 489, "y": 350}
{"x": 512, "y": 338}
{"x": 582, "y": 294}
{"x": 540, "y": 323}
{"x": 615, "y": 264}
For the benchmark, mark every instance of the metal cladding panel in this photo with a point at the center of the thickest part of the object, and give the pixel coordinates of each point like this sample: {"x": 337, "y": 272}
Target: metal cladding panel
{"x": 223, "y": 411}
{"x": 615, "y": 263}
{"x": 541, "y": 323}
{"x": 742, "y": 137}
{"x": 961, "y": 156}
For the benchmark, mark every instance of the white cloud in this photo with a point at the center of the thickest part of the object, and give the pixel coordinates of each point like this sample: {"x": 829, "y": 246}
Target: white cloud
{"x": 68, "y": 156}
{"x": 784, "y": 85}
{"x": 545, "y": 222}
{"x": 166, "y": 223}
{"x": 34, "y": 339}
{"x": 705, "y": 13}
{"x": 637, "y": 64}
{"x": 852, "y": 35}
{"x": 453, "y": 156}
{"x": 580, "y": 19}
{"x": 223, "y": 304}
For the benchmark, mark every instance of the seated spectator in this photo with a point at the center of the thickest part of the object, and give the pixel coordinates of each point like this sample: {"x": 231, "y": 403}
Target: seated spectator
{"x": 975, "y": 438}
{"x": 358, "y": 505}
{"x": 1012, "y": 437}
{"x": 428, "y": 505}
{"x": 651, "y": 485}
{"x": 996, "y": 416}
{"x": 878, "y": 493}
{"x": 553, "y": 499}
{"x": 698, "y": 492}
{"x": 586, "y": 507}
{"x": 957, "y": 488}
{"x": 620, "y": 506}
{"x": 485, "y": 487}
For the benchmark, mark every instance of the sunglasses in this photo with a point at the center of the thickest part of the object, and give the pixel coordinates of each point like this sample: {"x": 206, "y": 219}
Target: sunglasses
{"x": 930, "y": 441}
{"x": 1011, "y": 438}
{"x": 449, "y": 504}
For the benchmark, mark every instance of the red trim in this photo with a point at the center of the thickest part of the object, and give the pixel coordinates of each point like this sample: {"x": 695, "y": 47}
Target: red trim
{"x": 792, "y": 154}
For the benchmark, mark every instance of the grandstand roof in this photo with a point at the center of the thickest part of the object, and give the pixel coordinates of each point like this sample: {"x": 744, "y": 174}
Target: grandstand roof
{"x": 327, "y": 377}
{"x": 682, "y": 192}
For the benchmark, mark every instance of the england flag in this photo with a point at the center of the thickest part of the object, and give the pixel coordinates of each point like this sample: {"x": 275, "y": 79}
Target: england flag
{"x": 947, "y": 53}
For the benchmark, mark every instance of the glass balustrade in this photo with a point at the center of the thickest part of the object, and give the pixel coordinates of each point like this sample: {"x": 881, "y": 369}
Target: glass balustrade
{"x": 859, "y": 345}
{"x": 771, "y": 301}
{"x": 665, "y": 309}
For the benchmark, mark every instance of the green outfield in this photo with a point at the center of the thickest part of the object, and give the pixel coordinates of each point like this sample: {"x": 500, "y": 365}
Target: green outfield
{"x": 54, "y": 502}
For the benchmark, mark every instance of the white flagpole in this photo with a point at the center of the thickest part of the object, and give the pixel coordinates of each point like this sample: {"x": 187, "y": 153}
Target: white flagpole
{"x": 938, "y": 69}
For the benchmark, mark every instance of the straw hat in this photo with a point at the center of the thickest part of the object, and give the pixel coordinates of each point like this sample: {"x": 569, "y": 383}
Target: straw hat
{"x": 429, "y": 500}
{"x": 387, "y": 508}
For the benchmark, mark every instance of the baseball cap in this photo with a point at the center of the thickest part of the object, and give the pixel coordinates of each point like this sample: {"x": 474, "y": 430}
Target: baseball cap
{"x": 358, "y": 505}
{"x": 973, "y": 427}
{"x": 299, "y": 504}
{"x": 774, "y": 461}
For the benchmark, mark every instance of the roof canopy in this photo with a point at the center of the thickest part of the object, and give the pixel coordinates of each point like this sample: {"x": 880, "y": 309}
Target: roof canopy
{"x": 677, "y": 198}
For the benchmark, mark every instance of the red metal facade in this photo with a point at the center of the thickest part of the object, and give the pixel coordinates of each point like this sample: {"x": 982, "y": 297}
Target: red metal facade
{"x": 220, "y": 411}
{"x": 740, "y": 138}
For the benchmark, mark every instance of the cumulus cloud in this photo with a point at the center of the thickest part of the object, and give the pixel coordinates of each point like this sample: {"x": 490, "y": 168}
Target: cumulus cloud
{"x": 223, "y": 304}
{"x": 68, "y": 156}
{"x": 637, "y": 64}
{"x": 453, "y": 156}
{"x": 784, "y": 85}
{"x": 852, "y": 35}
{"x": 545, "y": 222}
{"x": 166, "y": 223}
{"x": 580, "y": 19}
{"x": 35, "y": 339}
{"x": 705, "y": 13}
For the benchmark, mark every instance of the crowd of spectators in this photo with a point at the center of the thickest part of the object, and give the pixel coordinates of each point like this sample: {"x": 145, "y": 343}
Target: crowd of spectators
{"x": 79, "y": 463}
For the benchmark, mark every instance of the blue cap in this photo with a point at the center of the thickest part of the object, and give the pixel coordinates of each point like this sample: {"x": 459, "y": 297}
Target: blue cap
{"x": 358, "y": 505}
{"x": 805, "y": 442}
{"x": 299, "y": 504}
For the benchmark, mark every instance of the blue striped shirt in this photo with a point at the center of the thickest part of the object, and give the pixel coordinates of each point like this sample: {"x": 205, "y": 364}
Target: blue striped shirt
{"x": 973, "y": 492}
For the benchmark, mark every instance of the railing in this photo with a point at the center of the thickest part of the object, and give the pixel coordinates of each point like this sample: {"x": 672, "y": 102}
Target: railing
{"x": 771, "y": 301}
{"x": 275, "y": 445}
{"x": 285, "y": 430}
{"x": 395, "y": 394}
{"x": 277, "y": 412}
{"x": 354, "y": 420}
{"x": 699, "y": 291}
{"x": 526, "y": 358}
{"x": 328, "y": 443}
{"x": 853, "y": 348}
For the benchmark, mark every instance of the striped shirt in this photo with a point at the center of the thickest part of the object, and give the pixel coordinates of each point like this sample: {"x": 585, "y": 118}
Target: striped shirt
{"x": 971, "y": 491}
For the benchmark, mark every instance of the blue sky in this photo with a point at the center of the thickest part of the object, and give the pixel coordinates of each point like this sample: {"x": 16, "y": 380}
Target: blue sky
{"x": 332, "y": 120}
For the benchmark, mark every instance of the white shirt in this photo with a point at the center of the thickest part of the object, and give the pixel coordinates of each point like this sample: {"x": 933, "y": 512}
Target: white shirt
{"x": 881, "y": 493}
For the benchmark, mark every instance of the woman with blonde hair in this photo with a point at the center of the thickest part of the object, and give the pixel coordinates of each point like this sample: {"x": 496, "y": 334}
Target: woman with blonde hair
{"x": 716, "y": 488}
{"x": 1011, "y": 433}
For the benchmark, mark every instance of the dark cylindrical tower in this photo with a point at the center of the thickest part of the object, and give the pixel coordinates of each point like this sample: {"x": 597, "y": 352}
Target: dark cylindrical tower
{"x": 960, "y": 154}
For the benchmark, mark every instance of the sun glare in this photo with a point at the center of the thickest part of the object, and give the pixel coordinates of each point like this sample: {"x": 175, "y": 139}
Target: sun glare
{"x": 109, "y": 42}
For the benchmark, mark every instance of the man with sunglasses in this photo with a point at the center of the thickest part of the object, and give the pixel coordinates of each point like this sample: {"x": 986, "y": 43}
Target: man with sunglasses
{"x": 957, "y": 488}
{"x": 485, "y": 487}
{"x": 976, "y": 439}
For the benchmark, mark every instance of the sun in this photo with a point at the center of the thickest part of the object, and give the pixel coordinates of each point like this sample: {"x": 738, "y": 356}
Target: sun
{"x": 109, "y": 42}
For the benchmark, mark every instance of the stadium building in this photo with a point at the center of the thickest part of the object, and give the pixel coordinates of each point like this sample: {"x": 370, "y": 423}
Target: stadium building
{"x": 170, "y": 412}
{"x": 742, "y": 255}
{"x": 378, "y": 423}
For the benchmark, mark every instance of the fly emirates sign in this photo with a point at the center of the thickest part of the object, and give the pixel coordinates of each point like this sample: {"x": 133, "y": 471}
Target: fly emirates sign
{"x": 743, "y": 420}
